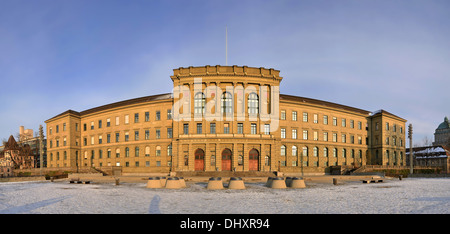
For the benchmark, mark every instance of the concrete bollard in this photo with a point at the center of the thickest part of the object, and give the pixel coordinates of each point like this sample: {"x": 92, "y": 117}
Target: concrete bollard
{"x": 182, "y": 182}
{"x": 154, "y": 182}
{"x": 278, "y": 183}
{"x": 163, "y": 181}
{"x": 215, "y": 183}
{"x": 236, "y": 183}
{"x": 297, "y": 183}
{"x": 173, "y": 183}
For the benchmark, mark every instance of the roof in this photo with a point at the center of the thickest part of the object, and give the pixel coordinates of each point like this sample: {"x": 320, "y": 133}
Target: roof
{"x": 445, "y": 124}
{"x": 322, "y": 103}
{"x": 116, "y": 104}
{"x": 386, "y": 113}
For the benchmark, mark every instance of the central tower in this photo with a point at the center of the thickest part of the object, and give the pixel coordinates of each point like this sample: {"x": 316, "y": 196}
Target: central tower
{"x": 225, "y": 118}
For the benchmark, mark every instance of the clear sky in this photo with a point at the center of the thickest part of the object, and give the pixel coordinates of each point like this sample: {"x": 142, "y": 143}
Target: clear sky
{"x": 74, "y": 54}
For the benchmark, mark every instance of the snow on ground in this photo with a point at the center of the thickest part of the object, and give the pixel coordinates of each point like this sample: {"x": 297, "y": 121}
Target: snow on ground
{"x": 407, "y": 196}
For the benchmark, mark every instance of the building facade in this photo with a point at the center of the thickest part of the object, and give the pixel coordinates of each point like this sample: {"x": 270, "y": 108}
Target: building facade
{"x": 224, "y": 118}
{"x": 442, "y": 133}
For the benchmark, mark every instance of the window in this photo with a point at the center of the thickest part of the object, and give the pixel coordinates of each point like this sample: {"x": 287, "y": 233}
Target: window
{"x": 226, "y": 128}
{"x": 325, "y": 152}
{"x": 294, "y": 150}
{"x": 117, "y": 120}
{"x": 344, "y": 123}
{"x": 315, "y": 136}
{"x": 294, "y": 133}
{"x": 108, "y": 138}
{"x": 305, "y": 151}
{"x": 334, "y": 121}
{"x": 325, "y": 119}
{"x": 325, "y": 136}
{"x": 315, "y": 152}
{"x": 92, "y": 140}
{"x": 147, "y": 151}
{"x": 117, "y": 137}
{"x": 212, "y": 128}
{"x": 185, "y": 129}
{"x": 108, "y": 122}
{"x": 136, "y": 151}
{"x": 253, "y": 128}
{"x": 169, "y": 150}
{"x": 240, "y": 128}
{"x": 283, "y": 133}
{"x": 315, "y": 118}
{"x": 169, "y": 133}
{"x": 227, "y": 103}
{"x": 253, "y": 104}
{"x": 136, "y": 117}
{"x": 158, "y": 150}
{"x": 100, "y": 140}
{"x": 100, "y": 123}
{"x": 199, "y": 103}
{"x": 305, "y": 117}
{"x": 283, "y": 115}
{"x": 199, "y": 128}
{"x": 147, "y": 134}
{"x": 108, "y": 153}
{"x": 294, "y": 115}
{"x": 266, "y": 129}
{"x": 64, "y": 127}
{"x": 136, "y": 135}
{"x": 169, "y": 114}
{"x": 127, "y": 137}
{"x": 127, "y": 119}
{"x": 283, "y": 150}
{"x": 92, "y": 125}
{"x": 158, "y": 134}
{"x": 344, "y": 138}
{"x": 127, "y": 152}
{"x": 334, "y": 137}
{"x": 158, "y": 115}
{"x": 147, "y": 116}
{"x": 305, "y": 134}
{"x": 117, "y": 153}
{"x": 352, "y": 123}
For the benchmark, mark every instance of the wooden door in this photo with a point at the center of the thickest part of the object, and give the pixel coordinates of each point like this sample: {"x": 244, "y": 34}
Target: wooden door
{"x": 226, "y": 160}
{"x": 253, "y": 159}
{"x": 199, "y": 160}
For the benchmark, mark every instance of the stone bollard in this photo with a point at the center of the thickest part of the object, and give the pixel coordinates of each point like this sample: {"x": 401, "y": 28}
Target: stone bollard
{"x": 154, "y": 182}
{"x": 182, "y": 182}
{"x": 215, "y": 183}
{"x": 163, "y": 181}
{"x": 173, "y": 183}
{"x": 278, "y": 183}
{"x": 236, "y": 183}
{"x": 297, "y": 183}
{"x": 117, "y": 181}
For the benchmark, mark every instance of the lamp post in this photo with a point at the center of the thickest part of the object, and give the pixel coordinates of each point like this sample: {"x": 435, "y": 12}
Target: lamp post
{"x": 410, "y": 149}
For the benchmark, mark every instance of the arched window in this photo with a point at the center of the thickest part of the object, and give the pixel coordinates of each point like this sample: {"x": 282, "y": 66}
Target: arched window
{"x": 283, "y": 150}
{"x": 169, "y": 150}
{"x": 315, "y": 151}
{"x": 227, "y": 102}
{"x": 325, "y": 152}
{"x": 253, "y": 103}
{"x": 117, "y": 153}
{"x": 267, "y": 160}
{"x": 136, "y": 151}
{"x": 147, "y": 151}
{"x": 199, "y": 103}
{"x": 305, "y": 151}
{"x": 294, "y": 150}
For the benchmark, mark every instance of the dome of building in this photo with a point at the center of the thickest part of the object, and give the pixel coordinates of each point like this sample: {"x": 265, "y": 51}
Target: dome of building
{"x": 445, "y": 124}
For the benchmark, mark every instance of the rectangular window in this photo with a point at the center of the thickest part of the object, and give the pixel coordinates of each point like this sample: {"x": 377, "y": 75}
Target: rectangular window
{"x": 294, "y": 133}
{"x": 147, "y": 134}
{"x": 158, "y": 115}
{"x": 344, "y": 122}
{"x": 266, "y": 129}
{"x": 158, "y": 133}
{"x": 226, "y": 128}
{"x": 147, "y": 116}
{"x": 283, "y": 115}
{"x": 136, "y": 117}
{"x": 240, "y": 128}
{"x": 315, "y": 118}
{"x": 100, "y": 123}
{"x": 334, "y": 137}
{"x": 334, "y": 121}
{"x": 169, "y": 133}
{"x": 315, "y": 136}
{"x": 108, "y": 138}
{"x": 117, "y": 137}
{"x": 212, "y": 128}
{"x": 108, "y": 122}
{"x": 127, "y": 137}
{"x": 294, "y": 115}
{"x": 136, "y": 135}
{"x": 325, "y": 119}
{"x": 253, "y": 128}
{"x": 283, "y": 133}
{"x": 169, "y": 114}
{"x": 117, "y": 120}
{"x": 92, "y": 125}
{"x": 305, "y": 117}
{"x": 127, "y": 119}
{"x": 305, "y": 134}
{"x": 199, "y": 128}
{"x": 325, "y": 136}
{"x": 185, "y": 129}
{"x": 100, "y": 139}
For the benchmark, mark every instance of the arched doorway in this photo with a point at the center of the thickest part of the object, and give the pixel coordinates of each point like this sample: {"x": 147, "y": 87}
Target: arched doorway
{"x": 226, "y": 160}
{"x": 253, "y": 159}
{"x": 199, "y": 160}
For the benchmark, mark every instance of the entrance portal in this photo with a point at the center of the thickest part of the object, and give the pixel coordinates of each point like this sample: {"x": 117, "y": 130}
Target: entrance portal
{"x": 199, "y": 160}
{"x": 226, "y": 160}
{"x": 253, "y": 159}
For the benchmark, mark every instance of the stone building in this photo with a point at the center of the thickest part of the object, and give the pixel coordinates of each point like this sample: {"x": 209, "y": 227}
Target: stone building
{"x": 15, "y": 156}
{"x": 442, "y": 133}
{"x": 224, "y": 118}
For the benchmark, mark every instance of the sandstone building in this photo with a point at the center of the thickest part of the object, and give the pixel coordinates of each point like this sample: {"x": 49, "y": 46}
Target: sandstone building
{"x": 224, "y": 118}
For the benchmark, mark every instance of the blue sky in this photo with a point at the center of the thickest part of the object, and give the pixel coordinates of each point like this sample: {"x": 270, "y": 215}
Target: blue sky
{"x": 74, "y": 54}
